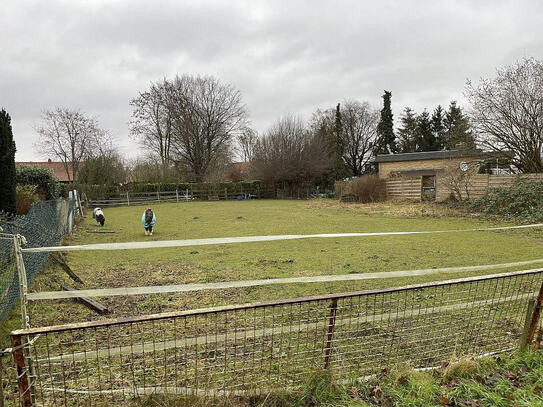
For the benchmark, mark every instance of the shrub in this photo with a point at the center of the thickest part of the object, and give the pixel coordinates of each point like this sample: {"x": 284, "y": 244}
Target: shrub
{"x": 62, "y": 190}
{"x": 523, "y": 201}
{"x": 368, "y": 188}
{"x": 25, "y": 197}
{"x": 43, "y": 178}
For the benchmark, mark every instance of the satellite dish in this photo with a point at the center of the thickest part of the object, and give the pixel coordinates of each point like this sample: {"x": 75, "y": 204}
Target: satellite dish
{"x": 464, "y": 166}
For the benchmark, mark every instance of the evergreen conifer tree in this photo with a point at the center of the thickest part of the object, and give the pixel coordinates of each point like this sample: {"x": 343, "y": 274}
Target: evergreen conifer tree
{"x": 8, "y": 181}
{"x": 386, "y": 141}
{"x": 406, "y": 133}
{"x": 424, "y": 136}
{"x": 457, "y": 129}
{"x": 437, "y": 127}
{"x": 340, "y": 171}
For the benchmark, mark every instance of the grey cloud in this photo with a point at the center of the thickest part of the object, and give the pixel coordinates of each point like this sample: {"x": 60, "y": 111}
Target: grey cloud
{"x": 285, "y": 56}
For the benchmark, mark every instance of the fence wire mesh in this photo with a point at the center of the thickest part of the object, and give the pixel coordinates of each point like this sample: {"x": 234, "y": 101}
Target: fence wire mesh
{"x": 44, "y": 225}
{"x": 261, "y": 347}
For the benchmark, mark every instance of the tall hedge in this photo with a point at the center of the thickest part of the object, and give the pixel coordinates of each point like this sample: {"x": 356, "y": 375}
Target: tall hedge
{"x": 43, "y": 178}
{"x": 8, "y": 182}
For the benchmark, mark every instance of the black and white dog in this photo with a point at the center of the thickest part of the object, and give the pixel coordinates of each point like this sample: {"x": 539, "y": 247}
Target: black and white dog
{"x": 148, "y": 219}
{"x": 98, "y": 215}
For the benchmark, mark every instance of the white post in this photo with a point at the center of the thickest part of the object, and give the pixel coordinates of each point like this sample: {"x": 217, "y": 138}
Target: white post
{"x": 127, "y": 199}
{"x": 23, "y": 283}
{"x": 18, "y": 240}
{"x": 75, "y": 200}
{"x": 176, "y": 195}
{"x": 158, "y": 195}
{"x": 186, "y": 194}
{"x": 70, "y": 213}
{"x": 78, "y": 203}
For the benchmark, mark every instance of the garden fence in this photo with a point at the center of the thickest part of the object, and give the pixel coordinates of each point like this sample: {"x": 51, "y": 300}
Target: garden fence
{"x": 207, "y": 194}
{"x": 45, "y": 225}
{"x": 262, "y": 347}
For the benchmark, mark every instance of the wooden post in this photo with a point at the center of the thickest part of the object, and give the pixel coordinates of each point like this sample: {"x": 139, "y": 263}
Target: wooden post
{"x": 127, "y": 199}
{"x": 535, "y": 317}
{"x": 331, "y": 327}
{"x": 527, "y": 320}
{"x": 22, "y": 372}
{"x": 158, "y": 195}
{"x": 176, "y": 195}
{"x": 226, "y": 194}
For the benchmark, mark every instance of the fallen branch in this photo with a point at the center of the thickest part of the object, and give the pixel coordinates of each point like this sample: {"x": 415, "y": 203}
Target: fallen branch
{"x": 88, "y": 302}
{"x": 60, "y": 259}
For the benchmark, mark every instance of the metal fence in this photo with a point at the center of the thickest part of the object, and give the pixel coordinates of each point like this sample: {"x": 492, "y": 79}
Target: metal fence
{"x": 208, "y": 194}
{"x": 192, "y": 194}
{"x": 260, "y": 347}
{"x": 44, "y": 225}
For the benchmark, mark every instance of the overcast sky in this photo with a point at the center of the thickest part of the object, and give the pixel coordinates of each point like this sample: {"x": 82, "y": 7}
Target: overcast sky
{"x": 285, "y": 56}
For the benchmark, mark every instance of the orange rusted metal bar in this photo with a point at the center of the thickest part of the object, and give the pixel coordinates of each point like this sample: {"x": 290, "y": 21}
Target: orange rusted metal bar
{"x": 330, "y": 336}
{"x": 535, "y": 316}
{"x": 22, "y": 373}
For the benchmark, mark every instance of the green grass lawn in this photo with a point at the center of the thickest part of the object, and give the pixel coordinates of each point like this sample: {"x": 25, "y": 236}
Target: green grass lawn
{"x": 508, "y": 381}
{"x": 107, "y": 269}
{"x": 308, "y": 257}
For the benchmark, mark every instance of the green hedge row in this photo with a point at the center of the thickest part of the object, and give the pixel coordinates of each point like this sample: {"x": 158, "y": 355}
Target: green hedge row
{"x": 46, "y": 184}
{"x": 523, "y": 201}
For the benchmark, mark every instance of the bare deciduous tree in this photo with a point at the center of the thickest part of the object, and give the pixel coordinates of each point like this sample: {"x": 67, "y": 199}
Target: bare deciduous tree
{"x": 206, "y": 115}
{"x": 70, "y": 136}
{"x": 359, "y": 131}
{"x": 290, "y": 153}
{"x": 151, "y": 123}
{"x": 507, "y": 112}
{"x": 245, "y": 144}
{"x": 459, "y": 179}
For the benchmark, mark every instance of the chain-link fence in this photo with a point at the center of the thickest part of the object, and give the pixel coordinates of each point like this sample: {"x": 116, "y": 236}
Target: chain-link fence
{"x": 45, "y": 225}
{"x": 249, "y": 348}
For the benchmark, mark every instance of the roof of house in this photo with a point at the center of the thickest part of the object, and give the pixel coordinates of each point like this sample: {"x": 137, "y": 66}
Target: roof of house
{"x": 56, "y": 166}
{"x": 428, "y": 155}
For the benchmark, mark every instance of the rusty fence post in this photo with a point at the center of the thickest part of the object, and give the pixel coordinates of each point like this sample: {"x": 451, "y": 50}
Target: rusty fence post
{"x": 22, "y": 372}
{"x": 539, "y": 338}
{"x": 330, "y": 336}
{"x": 527, "y": 320}
{"x": 535, "y": 318}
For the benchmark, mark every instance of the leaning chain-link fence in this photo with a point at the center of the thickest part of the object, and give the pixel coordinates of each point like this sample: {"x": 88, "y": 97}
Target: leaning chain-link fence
{"x": 261, "y": 347}
{"x": 45, "y": 225}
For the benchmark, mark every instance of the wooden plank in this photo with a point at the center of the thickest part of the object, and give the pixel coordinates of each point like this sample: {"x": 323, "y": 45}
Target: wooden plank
{"x": 88, "y": 302}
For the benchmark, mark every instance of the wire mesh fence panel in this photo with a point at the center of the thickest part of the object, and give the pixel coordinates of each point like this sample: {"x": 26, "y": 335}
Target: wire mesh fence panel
{"x": 44, "y": 225}
{"x": 9, "y": 281}
{"x": 260, "y": 347}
